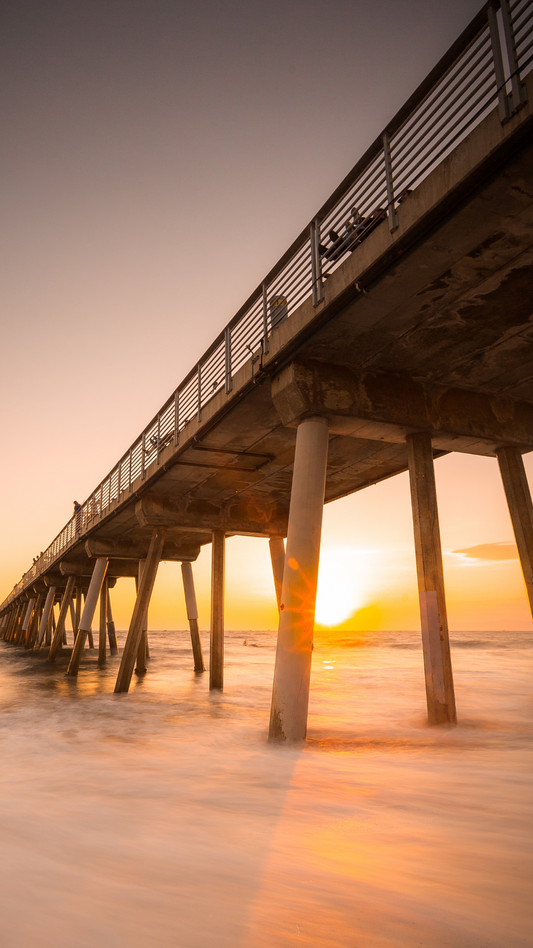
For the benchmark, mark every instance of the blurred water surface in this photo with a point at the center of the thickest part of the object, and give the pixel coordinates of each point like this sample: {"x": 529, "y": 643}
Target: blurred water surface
{"x": 163, "y": 818}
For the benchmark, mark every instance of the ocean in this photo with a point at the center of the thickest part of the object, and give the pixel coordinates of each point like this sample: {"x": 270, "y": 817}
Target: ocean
{"x": 163, "y": 818}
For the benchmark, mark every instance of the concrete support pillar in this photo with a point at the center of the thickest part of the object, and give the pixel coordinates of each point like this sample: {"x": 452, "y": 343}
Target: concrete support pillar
{"x": 72, "y": 610}
{"x": 49, "y": 602}
{"x": 26, "y": 621}
{"x": 277, "y": 556}
{"x": 50, "y": 627}
{"x": 216, "y": 651}
{"x": 14, "y": 629}
{"x": 91, "y": 599}
{"x": 518, "y": 497}
{"x": 13, "y": 622}
{"x": 18, "y": 622}
{"x": 102, "y": 628}
{"x": 290, "y": 694}
{"x": 66, "y": 602}
{"x": 77, "y": 612}
{"x": 142, "y": 651}
{"x": 435, "y": 640}
{"x": 192, "y": 615}
{"x": 34, "y": 622}
{"x": 111, "y": 634}
{"x": 139, "y": 612}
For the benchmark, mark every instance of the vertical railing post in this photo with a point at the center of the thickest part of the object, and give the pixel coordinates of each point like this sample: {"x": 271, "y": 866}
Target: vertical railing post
{"x": 199, "y": 374}
{"x": 503, "y": 99}
{"x": 227, "y": 360}
{"x": 391, "y": 210}
{"x": 176, "y": 418}
{"x": 158, "y": 435}
{"x": 265, "y": 318}
{"x": 119, "y": 478}
{"x": 143, "y": 446}
{"x": 316, "y": 263}
{"x": 129, "y": 471}
{"x": 518, "y": 92}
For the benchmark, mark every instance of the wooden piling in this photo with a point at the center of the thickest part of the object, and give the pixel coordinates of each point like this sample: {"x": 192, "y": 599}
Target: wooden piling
{"x": 216, "y": 650}
{"x": 435, "y": 639}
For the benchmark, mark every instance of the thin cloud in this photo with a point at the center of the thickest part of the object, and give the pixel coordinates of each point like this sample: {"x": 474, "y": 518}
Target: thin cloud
{"x": 490, "y": 551}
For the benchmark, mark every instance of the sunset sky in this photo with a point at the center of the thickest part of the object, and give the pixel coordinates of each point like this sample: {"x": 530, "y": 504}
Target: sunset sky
{"x": 157, "y": 158}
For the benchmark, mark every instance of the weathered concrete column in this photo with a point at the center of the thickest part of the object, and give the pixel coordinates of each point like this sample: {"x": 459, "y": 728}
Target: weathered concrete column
{"x": 72, "y": 610}
{"x": 103, "y": 623}
{"x": 50, "y": 627}
{"x": 518, "y": 497}
{"x": 277, "y": 556}
{"x": 60, "y": 628}
{"x": 142, "y": 651}
{"x": 290, "y": 693}
{"x": 77, "y": 612}
{"x": 91, "y": 599}
{"x": 27, "y": 619}
{"x": 216, "y": 651}
{"x": 34, "y": 622}
{"x": 192, "y": 615}
{"x": 435, "y": 639}
{"x": 49, "y": 602}
{"x": 13, "y": 623}
{"x": 111, "y": 633}
{"x": 10, "y": 622}
{"x": 18, "y": 623}
{"x": 139, "y": 612}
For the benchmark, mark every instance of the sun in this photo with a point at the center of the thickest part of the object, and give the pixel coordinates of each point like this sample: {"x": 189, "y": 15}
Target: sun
{"x": 339, "y": 594}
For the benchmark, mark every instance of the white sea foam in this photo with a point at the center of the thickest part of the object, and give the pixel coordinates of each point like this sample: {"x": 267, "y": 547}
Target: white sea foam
{"x": 163, "y": 818}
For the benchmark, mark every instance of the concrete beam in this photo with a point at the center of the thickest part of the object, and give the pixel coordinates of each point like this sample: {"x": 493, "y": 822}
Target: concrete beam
{"x": 117, "y": 568}
{"x": 243, "y": 518}
{"x": 138, "y": 550}
{"x": 378, "y": 406}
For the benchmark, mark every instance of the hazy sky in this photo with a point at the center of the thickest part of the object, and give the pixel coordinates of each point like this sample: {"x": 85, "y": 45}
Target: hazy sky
{"x": 157, "y": 158}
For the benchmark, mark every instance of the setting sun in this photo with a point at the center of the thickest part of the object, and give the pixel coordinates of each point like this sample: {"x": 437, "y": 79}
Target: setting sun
{"x": 341, "y": 581}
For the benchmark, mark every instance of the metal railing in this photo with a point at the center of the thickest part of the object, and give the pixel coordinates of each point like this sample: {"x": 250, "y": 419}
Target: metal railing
{"x": 485, "y": 66}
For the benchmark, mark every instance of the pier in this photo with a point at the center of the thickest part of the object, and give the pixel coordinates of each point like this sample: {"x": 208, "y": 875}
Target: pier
{"x": 395, "y": 329}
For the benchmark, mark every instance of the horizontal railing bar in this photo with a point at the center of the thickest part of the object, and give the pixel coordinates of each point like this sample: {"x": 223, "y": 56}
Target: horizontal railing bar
{"x": 398, "y": 147}
{"x": 443, "y": 124}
